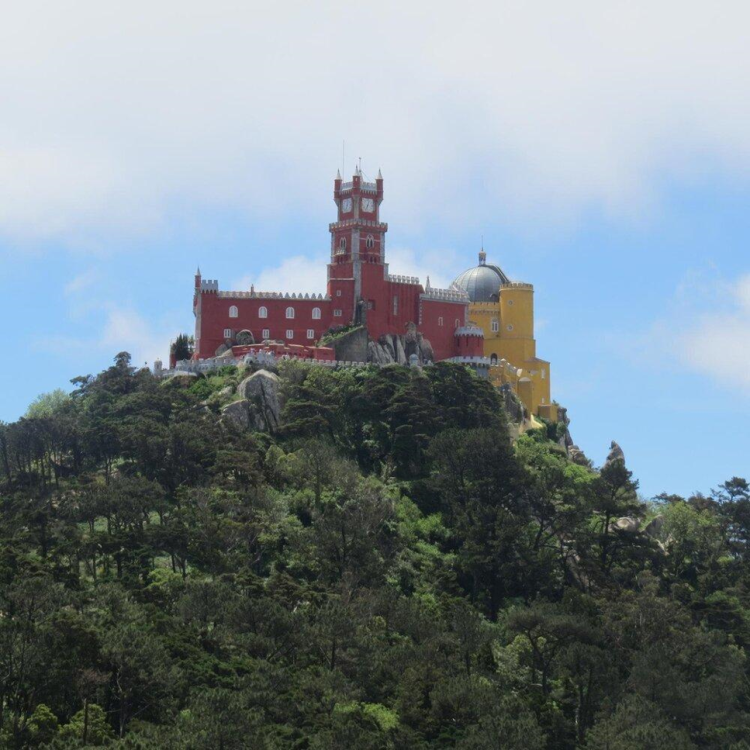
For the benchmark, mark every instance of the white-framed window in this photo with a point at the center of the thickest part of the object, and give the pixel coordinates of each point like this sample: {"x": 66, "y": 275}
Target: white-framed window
{"x": 233, "y": 311}
{"x": 316, "y": 313}
{"x": 338, "y": 292}
{"x": 395, "y": 304}
{"x": 370, "y": 242}
{"x": 227, "y": 333}
{"x": 262, "y": 312}
{"x": 342, "y": 245}
{"x": 440, "y": 321}
{"x": 337, "y": 313}
{"x": 544, "y": 374}
{"x": 495, "y": 325}
{"x": 290, "y": 313}
{"x": 289, "y": 333}
{"x": 265, "y": 334}
{"x": 509, "y": 327}
{"x": 310, "y": 333}
{"x": 458, "y": 323}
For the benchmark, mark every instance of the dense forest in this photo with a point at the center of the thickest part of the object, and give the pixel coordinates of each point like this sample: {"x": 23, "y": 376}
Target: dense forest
{"x": 386, "y": 569}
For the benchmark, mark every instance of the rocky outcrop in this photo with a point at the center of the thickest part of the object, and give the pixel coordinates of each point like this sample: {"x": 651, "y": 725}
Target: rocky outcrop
{"x": 577, "y": 456}
{"x": 259, "y": 407}
{"x": 351, "y": 346}
{"x": 615, "y": 454}
{"x": 238, "y": 412}
{"x": 655, "y": 527}
{"x": 392, "y": 348}
{"x": 627, "y": 524}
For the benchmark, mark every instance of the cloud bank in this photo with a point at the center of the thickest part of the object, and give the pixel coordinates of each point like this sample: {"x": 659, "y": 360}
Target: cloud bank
{"x": 116, "y": 115}
{"x": 717, "y": 343}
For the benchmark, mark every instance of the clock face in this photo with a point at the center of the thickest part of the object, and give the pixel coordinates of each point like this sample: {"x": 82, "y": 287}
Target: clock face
{"x": 368, "y": 204}
{"x": 346, "y": 205}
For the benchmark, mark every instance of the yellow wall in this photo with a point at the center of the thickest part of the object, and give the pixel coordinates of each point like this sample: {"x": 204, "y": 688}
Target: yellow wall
{"x": 508, "y": 327}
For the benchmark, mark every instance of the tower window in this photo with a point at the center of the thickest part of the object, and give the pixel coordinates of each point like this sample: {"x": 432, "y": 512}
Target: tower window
{"x": 310, "y": 333}
{"x": 342, "y": 245}
{"x": 316, "y": 313}
{"x": 262, "y": 312}
{"x": 337, "y": 313}
{"x": 233, "y": 311}
{"x": 395, "y": 305}
{"x": 495, "y": 326}
{"x": 227, "y": 333}
{"x": 290, "y": 313}
{"x": 266, "y": 334}
{"x": 440, "y": 321}
{"x": 338, "y": 292}
{"x": 370, "y": 242}
{"x": 458, "y": 323}
{"x": 289, "y": 333}
{"x": 544, "y": 374}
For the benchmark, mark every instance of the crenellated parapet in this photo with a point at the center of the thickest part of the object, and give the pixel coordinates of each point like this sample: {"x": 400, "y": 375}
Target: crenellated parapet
{"x": 367, "y": 223}
{"x": 209, "y": 285}
{"x": 516, "y": 285}
{"x": 272, "y": 295}
{"x": 445, "y": 295}
{"x": 398, "y": 279}
{"x": 470, "y": 331}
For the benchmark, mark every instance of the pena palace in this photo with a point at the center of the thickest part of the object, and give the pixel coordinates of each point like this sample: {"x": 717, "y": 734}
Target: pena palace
{"x": 367, "y": 314}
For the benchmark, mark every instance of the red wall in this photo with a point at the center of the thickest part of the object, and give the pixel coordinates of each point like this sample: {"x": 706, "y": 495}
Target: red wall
{"x": 214, "y": 318}
{"x": 442, "y": 337}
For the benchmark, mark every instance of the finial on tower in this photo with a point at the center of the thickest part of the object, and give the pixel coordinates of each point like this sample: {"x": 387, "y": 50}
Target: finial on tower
{"x": 338, "y": 174}
{"x": 482, "y": 257}
{"x": 198, "y": 272}
{"x": 380, "y": 175}
{"x": 428, "y": 283}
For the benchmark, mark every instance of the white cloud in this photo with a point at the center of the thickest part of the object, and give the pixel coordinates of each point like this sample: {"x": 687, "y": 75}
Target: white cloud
{"x": 81, "y": 282}
{"x": 114, "y": 114}
{"x": 296, "y": 274}
{"x": 717, "y": 343}
{"x": 706, "y": 329}
{"x": 308, "y": 274}
{"x": 122, "y": 329}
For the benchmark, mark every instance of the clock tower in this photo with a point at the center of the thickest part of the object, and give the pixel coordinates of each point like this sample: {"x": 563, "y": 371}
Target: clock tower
{"x": 357, "y": 241}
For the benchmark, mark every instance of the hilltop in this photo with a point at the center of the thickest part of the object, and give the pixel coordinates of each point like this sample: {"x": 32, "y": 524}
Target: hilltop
{"x": 371, "y": 557}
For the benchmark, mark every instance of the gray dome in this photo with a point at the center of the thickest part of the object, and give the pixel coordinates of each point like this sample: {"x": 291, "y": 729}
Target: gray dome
{"x": 482, "y": 283}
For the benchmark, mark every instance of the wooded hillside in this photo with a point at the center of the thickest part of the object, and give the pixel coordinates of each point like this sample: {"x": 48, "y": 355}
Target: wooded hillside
{"x": 386, "y": 570}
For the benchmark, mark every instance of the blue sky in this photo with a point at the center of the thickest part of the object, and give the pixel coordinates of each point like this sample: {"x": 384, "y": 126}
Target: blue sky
{"x": 602, "y": 153}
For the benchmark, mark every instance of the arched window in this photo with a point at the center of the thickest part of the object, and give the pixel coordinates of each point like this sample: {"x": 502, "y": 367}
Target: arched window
{"x": 262, "y": 312}
{"x": 440, "y": 321}
{"x": 290, "y": 313}
{"x": 233, "y": 311}
{"x": 458, "y": 323}
{"x": 316, "y": 313}
{"x": 342, "y": 245}
{"x": 493, "y": 359}
{"x": 370, "y": 242}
